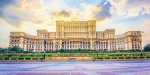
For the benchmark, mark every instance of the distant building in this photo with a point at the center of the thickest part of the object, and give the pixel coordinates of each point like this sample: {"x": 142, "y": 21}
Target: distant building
{"x": 73, "y": 35}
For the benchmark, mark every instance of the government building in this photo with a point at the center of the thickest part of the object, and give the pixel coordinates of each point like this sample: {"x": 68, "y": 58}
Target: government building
{"x": 74, "y": 35}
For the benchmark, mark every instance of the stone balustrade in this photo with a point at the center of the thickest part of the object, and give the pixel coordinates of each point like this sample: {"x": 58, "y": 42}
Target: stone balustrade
{"x": 64, "y": 59}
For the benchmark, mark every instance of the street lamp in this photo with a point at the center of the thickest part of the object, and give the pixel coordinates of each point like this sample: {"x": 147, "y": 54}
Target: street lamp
{"x": 97, "y": 48}
{"x": 141, "y": 44}
{"x": 141, "y": 47}
{"x": 44, "y": 47}
{"x": 65, "y": 45}
{"x": 44, "y": 54}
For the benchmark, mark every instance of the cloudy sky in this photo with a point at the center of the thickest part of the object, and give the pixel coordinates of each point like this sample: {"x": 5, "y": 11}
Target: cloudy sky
{"x": 30, "y": 15}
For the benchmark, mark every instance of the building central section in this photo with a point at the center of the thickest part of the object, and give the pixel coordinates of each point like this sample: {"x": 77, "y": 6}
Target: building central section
{"x": 76, "y": 29}
{"x": 75, "y": 35}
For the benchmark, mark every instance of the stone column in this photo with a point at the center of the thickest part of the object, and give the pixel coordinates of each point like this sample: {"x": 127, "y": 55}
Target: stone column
{"x": 91, "y": 44}
{"x": 72, "y": 45}
{"x": 125, "y": 45}
{"x": 54, "y": 48}
{"x": 141, "y": 46}
{"x": 86, "y": 45}
{"x": 134, "y": 44}
{"x": 108, "y": 45}
{"x": 137, "y": 47}
{"x": 25, "y": 44}
{"x": 21, "y": 40}
{"x": 69, "y": 45}
{"x": 51, "y": 46}
{"x": 98, "y": 45}
{"x": 60, "y": 44}
{"x": 66, "y": 45}
{"x": 34, "y": 45}
{"x": 103, "y": 45}
{"x": 43, "y": 45}
{"x": 79, "y": 45}
{"x": 116, "y": 45}
{"x": 82, "y": 44}
{"x": 129, "y": 45}
{"x": 48, "y": 46}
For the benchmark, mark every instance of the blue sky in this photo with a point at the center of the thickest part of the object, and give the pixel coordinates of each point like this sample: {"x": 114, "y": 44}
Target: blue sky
{"x": 30, "y": 15}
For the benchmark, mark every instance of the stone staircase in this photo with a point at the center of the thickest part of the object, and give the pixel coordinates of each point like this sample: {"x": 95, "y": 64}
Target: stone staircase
{"x": 63, "y": 59}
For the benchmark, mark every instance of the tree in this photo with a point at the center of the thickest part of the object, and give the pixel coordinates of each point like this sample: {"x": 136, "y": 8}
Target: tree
{"x": 61, "y": 50}
{"x": 9, "y": 48}
{"x": 17, "y": 49}
{"x": 79, "y": 49}
{"x": 6, "y": 50}
{"x": 1, "y": 50}
{"x": 147, "y": 47}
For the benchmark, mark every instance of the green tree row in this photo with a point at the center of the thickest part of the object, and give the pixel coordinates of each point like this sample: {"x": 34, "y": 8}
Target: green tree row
{"x": 147, "y": 47}
{"x": 11, "y": 49}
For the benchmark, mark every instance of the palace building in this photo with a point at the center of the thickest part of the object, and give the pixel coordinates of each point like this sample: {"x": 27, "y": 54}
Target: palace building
{"x": 74, "y": 35}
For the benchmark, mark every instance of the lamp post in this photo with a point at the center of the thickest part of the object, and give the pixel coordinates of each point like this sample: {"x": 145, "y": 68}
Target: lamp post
{"x": 44, "y": 54}
{"x": 44, "y": 47}
{"x": 141, "y": 43}
{"x": 97, "y": 48}
{"x": 141, "y": 47}
{"x": 97, "y": 45}
{"x": 65, "y": 45}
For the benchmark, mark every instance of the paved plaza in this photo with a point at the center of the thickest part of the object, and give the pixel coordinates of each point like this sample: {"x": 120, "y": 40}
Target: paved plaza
{"x": 76, "y": 68}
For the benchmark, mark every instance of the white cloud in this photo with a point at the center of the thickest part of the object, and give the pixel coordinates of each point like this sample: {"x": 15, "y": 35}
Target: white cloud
{"x": 130, "y": 8}
{"x": 99, "y": 12}
{"x": 54, "y": 5}
{"x": 28, "y": 11}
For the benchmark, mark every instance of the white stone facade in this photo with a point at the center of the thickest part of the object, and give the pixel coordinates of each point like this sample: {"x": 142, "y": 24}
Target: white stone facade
{"x": 74, "y": 35}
